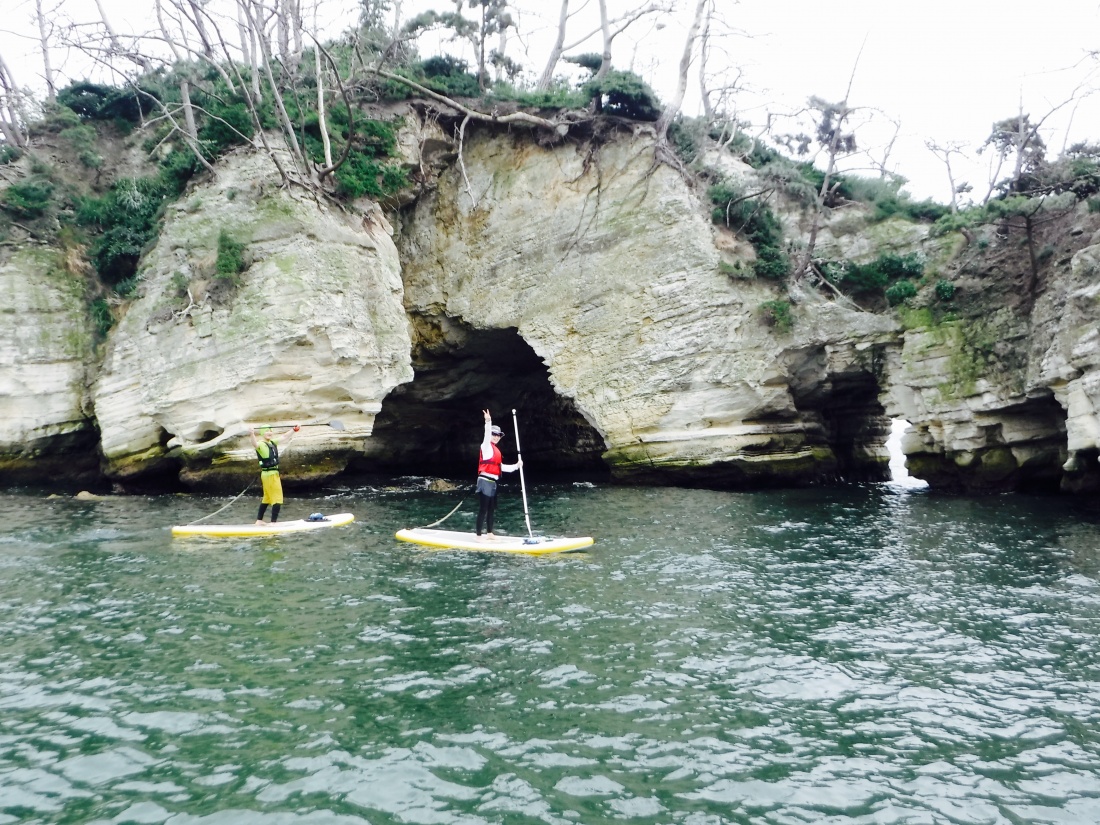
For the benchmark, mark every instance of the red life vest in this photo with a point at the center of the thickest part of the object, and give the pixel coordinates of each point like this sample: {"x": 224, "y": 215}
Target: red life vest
{"x": 490, "y": 466}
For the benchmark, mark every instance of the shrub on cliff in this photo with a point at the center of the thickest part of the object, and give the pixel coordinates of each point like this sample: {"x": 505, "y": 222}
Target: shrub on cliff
{"x": 230, "y": 262}
{"x": 367, "y": 171}
{"x": 889, "y": 276}
{"x": 444, "y": 74}
{"x": 624, "y": 94}
{"x": 888, "y": 201}
{"x": 126, "y": 219}
{"x": 751, "y": 216}
{"x": 94, "y": 101}
{"x": 899, "y": 292}
{"x": 777, "y": 314}
{"x": 27, "y": 199}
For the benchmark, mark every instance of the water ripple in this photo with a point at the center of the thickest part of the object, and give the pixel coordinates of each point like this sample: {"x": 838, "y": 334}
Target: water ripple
{"x": 870, "y": 655}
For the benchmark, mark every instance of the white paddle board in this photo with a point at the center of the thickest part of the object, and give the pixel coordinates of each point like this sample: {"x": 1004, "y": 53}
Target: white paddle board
{"x": 454, "y": 540}
{"x": 265, "y": 529}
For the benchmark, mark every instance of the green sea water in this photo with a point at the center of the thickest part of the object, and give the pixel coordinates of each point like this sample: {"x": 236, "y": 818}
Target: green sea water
{"x": 868, "y": 654}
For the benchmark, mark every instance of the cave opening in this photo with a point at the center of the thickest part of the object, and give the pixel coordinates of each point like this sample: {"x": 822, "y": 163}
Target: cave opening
{"x": 432, "y": 426}
{"x": 847, "y": 417}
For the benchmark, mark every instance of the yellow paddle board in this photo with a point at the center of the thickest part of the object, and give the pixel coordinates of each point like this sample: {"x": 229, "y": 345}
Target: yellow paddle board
{"x": 454, "y": 540}
{"x": 265, "y": 529}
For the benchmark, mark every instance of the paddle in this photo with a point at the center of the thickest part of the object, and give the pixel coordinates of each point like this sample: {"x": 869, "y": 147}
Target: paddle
{"x": 336, "y": 425}
{"x": 522, "y": 484}
{"x": 176, "y": 443}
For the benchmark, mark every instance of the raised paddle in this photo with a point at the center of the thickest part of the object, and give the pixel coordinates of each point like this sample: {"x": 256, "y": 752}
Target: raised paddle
{"x": 336, "y": 425}
{"x": 178, "y": 442}
{"x": 522, "y": 485}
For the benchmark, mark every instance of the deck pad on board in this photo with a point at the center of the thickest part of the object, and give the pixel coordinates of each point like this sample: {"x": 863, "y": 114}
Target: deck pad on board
{"x": 454, "y": 540}
{"x": 265, "y": 529}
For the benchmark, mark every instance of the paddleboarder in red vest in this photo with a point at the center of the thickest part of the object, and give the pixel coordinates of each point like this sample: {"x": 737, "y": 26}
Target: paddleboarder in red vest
{"x": 267, "y": 450}
{"x": 489, "y": 467}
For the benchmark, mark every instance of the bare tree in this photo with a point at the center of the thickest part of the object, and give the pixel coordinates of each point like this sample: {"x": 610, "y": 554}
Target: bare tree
{"x": 718, "y": 90}
{"x": 609, "y": 29}
{"x": 835, "y": 142}
{"x": 704, "y": 56}
{"x": 185, "y": 83}
{"x": 116, "y": 44}
{"x": 880, "y": 162}
{"x": 44, "y": 17}
{"x": 288, "y": 24}
{"x": 672, "y": 109}
{"x": 250, "y": 49}
{"x": 945, "y": 152}
{"x": 12, "y": 123}
{"x": 556, "y": 50}
{"x": 322, "y": 122}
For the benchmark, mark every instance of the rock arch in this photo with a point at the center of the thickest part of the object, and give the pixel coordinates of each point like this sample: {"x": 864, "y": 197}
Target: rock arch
{"x": 432, "y": 424}
{"x": 842, "y": 412}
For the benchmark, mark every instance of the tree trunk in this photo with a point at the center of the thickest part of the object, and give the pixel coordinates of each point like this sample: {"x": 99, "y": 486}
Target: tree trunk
{"x": 482, "y": 71}
{"x": 605, "y": 27}
{"x": 1033, "y": 279}
{"x": 673, "y": 107}
{"x": 321, "y": 124}
{"x": 188, "y": 111}
{"x": 10, "y": 125}
{"x": 116, "y": 46}
{"x": 245, "y": 35}
{"x": 44, "y": 41}
{"x": 164, "y": 32}
{"x": 819, "y": 206}
{"x": 555, "y": 51}
{"x": 207, "y": 50}
{"x": 283, "y": 26}
{"x": 396, "y": 20}
{"x": 250, "y": 47}
{"x": 704, "y": 47}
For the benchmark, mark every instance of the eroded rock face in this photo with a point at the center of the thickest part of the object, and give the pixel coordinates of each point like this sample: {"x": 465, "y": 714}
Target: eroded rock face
{"x": 579, "y": 284}
{"x": 1005, "y": 394}
{"x": 315, "y": 332}
{"x": 46, "y": 348}
{"x": 608, "y": 268}
{"x": 1069, "y": 363}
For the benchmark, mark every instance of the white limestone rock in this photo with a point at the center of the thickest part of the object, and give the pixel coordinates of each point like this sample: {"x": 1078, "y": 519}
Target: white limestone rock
{"x": 315, "y": 332}
{"x": 46, "y": 351}
{"x": 608, "y": 267}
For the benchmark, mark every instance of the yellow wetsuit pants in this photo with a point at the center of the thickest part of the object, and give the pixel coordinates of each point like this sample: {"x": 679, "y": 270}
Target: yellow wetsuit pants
{"x": 273, "y": 487}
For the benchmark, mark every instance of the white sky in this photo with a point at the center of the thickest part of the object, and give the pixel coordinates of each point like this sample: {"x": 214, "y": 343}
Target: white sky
{"x": 943, "y": 69}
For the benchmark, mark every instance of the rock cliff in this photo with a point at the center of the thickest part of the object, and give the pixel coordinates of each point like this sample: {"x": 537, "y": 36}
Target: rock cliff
{"x": 313, "y": 332}
{"x": 580, "y": 284}
{"x": 1003, "y": 395}
{"x": 46, "y": 354}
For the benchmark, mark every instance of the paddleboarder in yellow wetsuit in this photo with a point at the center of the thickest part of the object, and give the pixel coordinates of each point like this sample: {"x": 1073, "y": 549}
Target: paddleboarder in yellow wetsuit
{"x": 267, "y": 448}
{"x": 489, "y": 467}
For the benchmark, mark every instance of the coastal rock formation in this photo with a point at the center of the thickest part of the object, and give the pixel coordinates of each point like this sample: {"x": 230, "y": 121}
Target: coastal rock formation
{"x": 1002, "y": 391}
{"x": 311, "y": 331}
{"x": 46, "y": 351}
{"x": 576, "y": 283}
{"x": 608, "y": 268}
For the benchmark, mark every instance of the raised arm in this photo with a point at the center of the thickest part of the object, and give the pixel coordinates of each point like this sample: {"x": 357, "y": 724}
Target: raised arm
{"x": 487, "y": 438}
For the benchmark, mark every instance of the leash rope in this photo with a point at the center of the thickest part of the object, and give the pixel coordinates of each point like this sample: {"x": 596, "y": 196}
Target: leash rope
{"x": 241, "y": 493}
{"x": 455, "y": 510}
